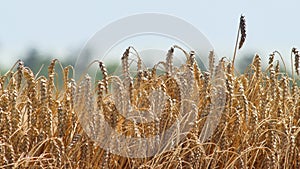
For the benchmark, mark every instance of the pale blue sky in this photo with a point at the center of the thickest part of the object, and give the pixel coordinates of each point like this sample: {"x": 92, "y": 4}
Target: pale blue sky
{"x": 59, "y": 27}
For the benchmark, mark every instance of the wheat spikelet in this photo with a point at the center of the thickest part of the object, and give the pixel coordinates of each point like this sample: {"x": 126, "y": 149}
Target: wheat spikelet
{"x": 197, "y": 74}
{"x": 100, "y": 94}
{"x": 57, "y": 149}
{"x": 14, "y": 112}
{"x": 285, "y": 95}
{"x": 32, "y": 105}
{"x": 254, "y": 117}
{"x": 19, "y": 75}
{"x": 257, "y": 65}
{"x": 237, "y": 110}
{"x": 75, "y": 140}
{"x": 71, "y": 101}
{"x": 5, "y": 125}
{"x": 295, "y": 97}
{"x": 243, "y": 31}
{"x": 25, "y": 143}
{"x": 271, "y": 58}
{"x": 297, "y": 60}
{"x": 105, "y": 77}
{"x": 51, "y": 87}
{"x": 9, "y": 155}
{"x": 229, "y": 86}
{"x": 211, "y": 58}
{"x": 245, "y": 105}
{"x": 45, "y": 115}
{"x": 83, "y": 155}
{"x": 61, "y": 117}
{"x": 125, "y": 64}
{"x": 169, "y": 61}
{"x": 272, "y": 143}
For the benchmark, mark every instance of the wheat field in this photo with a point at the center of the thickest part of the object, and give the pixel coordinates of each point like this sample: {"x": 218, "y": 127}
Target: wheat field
{"x": 40, "y": 122}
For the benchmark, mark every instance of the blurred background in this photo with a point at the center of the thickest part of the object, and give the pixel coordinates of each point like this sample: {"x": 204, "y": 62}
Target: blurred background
{"x": 37, "y": 31}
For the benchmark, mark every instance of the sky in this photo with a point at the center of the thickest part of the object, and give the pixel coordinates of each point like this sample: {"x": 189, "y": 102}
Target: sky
{"x": 61, "y": 27}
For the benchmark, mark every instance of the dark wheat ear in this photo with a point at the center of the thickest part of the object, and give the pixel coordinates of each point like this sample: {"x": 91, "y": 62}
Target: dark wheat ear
{"x": 297, "y": 60}
{"x": 169, "y": 61}
{"x": 104, "y": 76}
{"x": 243, "y": 31}
{"x": 241, "y": 37}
